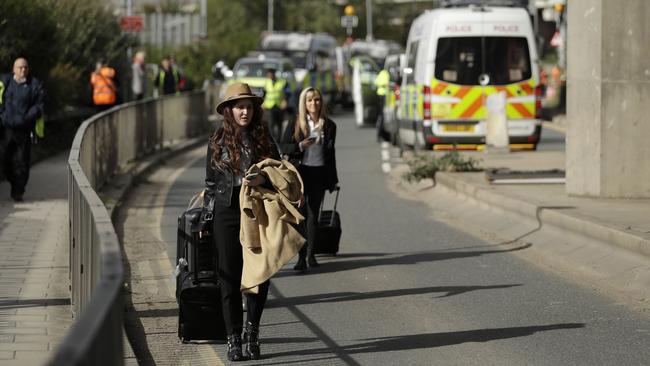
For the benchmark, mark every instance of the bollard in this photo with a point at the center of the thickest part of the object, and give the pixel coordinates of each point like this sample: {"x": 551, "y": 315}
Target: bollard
{"x": 496, "y": 135}
{"x": 357, "y": 93}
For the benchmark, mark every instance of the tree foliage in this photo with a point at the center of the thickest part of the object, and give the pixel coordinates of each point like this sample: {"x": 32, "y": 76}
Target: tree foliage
{"x": 62, "y": 40}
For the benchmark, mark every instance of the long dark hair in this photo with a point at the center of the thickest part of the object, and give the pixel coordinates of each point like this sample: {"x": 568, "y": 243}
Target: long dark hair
{"x": 232, "y": 136}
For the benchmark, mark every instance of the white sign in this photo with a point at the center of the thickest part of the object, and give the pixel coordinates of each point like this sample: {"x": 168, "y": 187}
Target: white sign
{"x": 349, "y": 21}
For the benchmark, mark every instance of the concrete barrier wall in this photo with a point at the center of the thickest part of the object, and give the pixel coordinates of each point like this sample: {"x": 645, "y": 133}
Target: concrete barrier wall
{"x": 107, "y": 144}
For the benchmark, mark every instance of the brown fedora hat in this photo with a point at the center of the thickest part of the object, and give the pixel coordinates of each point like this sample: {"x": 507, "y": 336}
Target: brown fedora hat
{"x": 238, "y": 91}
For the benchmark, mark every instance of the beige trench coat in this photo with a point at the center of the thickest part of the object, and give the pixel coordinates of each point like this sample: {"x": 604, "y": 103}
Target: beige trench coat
{"x": 269, "y": 218}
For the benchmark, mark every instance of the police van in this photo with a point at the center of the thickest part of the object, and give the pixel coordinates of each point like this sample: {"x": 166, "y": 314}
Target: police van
{"x": 313, "y": 56}
{"x": 456, "y": 58}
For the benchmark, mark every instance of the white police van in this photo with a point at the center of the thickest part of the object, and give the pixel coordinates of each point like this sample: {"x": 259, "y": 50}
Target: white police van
{"x": 456, "y": 58}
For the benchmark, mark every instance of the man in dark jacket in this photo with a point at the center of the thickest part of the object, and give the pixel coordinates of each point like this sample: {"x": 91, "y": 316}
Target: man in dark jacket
{"x": 22, "y": 104}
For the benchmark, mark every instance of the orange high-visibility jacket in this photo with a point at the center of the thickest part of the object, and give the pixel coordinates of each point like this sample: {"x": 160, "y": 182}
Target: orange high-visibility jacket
{"x": 103, "y": 86}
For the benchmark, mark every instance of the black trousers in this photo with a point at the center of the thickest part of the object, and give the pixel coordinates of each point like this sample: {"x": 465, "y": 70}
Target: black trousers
{"x": 313, "y": 177}
{"x": 275, "y": 116}
{"x": 381, "y": 134}
{"x": 227, "y": 221}
{"x": 16, "y": 156}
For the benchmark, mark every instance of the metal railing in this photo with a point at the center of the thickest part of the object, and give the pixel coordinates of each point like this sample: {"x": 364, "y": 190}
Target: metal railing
{"x": 104, "y": 145}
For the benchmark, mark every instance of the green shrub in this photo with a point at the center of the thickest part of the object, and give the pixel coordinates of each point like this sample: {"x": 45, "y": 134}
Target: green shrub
{"x": 425, "y": 166}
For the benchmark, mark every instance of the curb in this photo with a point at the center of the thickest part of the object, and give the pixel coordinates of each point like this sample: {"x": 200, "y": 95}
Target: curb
{"x": 116, "y": 189}
{"x": 595, "y": 231}
{"x": 114, "y": 192}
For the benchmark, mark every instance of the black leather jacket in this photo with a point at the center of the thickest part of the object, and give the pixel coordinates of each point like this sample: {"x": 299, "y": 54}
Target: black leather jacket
{"x": 219, "y": 182}
{"x": 289, "y": 146}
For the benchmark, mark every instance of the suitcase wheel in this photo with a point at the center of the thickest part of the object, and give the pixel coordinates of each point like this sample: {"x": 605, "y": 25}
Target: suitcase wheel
{"x": 185, "y": 340}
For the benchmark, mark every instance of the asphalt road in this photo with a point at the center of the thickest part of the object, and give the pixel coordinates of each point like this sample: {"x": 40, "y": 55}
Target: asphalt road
{"x": 551, "y": 141}
{"x": 408, "y": 290}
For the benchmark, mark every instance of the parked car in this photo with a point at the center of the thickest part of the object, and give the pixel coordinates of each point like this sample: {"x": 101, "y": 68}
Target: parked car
{"x": 252, "y": 70}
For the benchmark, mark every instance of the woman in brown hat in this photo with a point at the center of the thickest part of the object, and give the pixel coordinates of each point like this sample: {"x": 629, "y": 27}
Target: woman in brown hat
{"x": 242, "y": 141}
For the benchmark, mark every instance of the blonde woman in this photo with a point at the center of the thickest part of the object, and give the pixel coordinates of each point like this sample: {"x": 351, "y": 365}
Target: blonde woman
{"x": 308, "y": 142}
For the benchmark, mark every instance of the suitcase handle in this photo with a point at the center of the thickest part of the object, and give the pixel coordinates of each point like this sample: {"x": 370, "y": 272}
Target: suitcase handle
{"x": 336, "y": 201}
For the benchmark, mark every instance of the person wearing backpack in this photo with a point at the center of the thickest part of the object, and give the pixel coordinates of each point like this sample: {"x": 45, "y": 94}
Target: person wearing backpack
{"x": 22, "y": 103}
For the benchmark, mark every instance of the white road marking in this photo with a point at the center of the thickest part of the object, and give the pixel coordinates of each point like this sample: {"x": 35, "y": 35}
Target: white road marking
{"x": 385, "y": 157}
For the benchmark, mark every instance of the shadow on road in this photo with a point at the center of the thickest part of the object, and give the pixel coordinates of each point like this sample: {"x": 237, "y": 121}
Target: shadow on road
{"x": 28, "y": 303}
{"x": 433, "y": 340}
{"x": 397, "y": 259}
{"x": 353, "y": 296}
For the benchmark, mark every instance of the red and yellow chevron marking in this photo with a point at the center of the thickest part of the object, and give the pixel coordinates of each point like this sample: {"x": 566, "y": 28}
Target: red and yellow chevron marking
{"x": 472, "y": 100}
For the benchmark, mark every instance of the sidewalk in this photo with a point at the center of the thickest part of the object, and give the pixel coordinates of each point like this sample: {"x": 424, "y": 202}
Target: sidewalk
{"x": 34, "y": 286}
{"x": 603, "y": 241}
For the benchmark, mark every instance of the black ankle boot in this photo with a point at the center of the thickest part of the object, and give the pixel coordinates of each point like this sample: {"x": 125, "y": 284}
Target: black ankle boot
{"x": 301, "y": 265}
{"x": 311, "y": 258}
{"x": 311, "y": 261}
{"x": 251, "y": 338}
{"x": 234, "y": 348}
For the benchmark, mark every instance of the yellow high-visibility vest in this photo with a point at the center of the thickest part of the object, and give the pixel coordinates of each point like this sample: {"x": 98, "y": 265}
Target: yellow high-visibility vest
{"x": 161, "y": 78}
{"x": 274, "y": 93}
{"x": 381, "y": 82}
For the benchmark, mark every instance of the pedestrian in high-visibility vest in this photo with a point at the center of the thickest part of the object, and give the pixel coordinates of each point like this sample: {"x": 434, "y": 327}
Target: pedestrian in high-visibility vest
{"x": 104, "y": 90}
{"x": 276, "y": 91}
{"x": 168, "y": 78}
{"x": 381, "y": 83}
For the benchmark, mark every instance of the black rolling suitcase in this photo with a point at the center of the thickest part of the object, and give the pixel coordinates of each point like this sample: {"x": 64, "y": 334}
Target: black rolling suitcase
{"x": 329, "y": 230}
{"x": 200, "y": 315}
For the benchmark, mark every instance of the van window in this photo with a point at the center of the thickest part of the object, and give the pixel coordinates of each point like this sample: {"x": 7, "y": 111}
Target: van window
{"x": 461, "y": 60}
{"x": 410, "y": 62}
{"x": 254, "y": 69}
{"x": 507, "y": 59}
{"x": 299, "y": 59}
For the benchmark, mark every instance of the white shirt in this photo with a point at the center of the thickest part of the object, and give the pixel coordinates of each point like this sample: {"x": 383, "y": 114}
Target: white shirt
{"x": 314, "y": 155}
{"x": 139, "y": 80}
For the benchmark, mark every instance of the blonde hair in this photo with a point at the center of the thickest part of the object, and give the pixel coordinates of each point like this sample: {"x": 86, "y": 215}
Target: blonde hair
{"x": 301, "y": 122}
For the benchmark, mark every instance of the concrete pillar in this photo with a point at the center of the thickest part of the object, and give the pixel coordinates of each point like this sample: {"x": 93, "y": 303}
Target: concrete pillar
{"x": 608, "y": 98}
